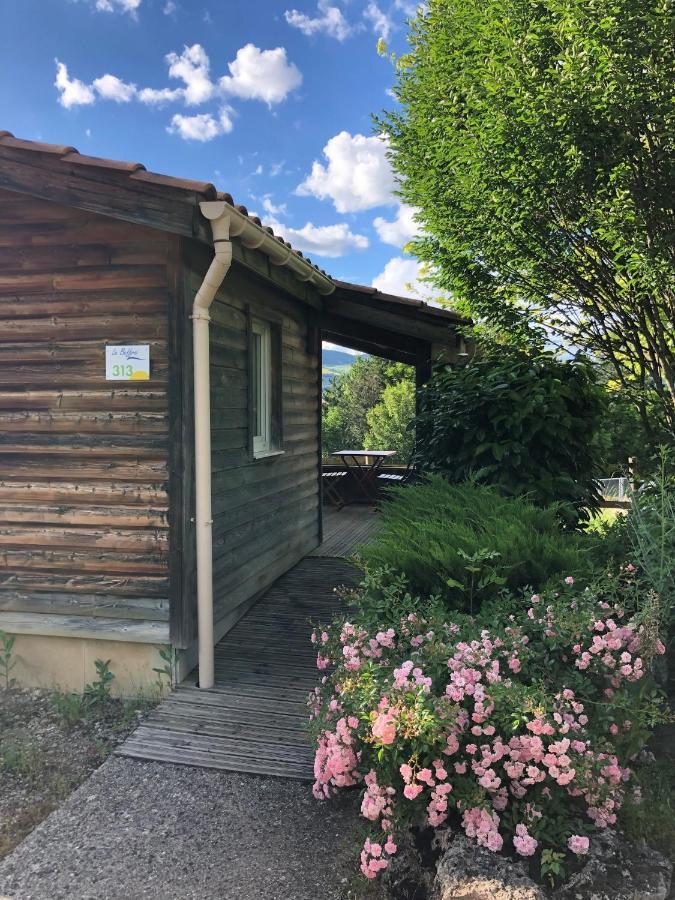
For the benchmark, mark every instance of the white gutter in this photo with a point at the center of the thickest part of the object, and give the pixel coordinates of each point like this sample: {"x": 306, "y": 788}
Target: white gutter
{"x": 226, "y": 222}
{"x": 255, "y": 237}
{"x": 222, "y": 260}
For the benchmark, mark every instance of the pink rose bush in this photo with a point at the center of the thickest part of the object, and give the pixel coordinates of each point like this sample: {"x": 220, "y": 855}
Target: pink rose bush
{"x": 516, "y": 726}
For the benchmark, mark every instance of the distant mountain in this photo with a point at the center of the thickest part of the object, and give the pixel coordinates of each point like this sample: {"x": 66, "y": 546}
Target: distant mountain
{"x": 337, "y": 358}
{"x": 334, "y": 362}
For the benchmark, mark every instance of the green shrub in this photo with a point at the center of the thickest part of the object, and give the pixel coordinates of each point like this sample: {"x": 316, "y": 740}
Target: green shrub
{"x": 525, "y": 425}
{"x": 521, "y": 725}
{"x": 609, "y": 539}
{"x": 466, "y": 542}
{"x": 649, "y": 813}
{"x": 651, "y": 528}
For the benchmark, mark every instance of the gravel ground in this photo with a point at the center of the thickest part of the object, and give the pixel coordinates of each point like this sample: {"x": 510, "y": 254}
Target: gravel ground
{"x": 153, "y": 830}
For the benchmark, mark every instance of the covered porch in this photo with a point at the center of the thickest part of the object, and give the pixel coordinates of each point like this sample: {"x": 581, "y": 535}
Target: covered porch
{"x": 254, "y": 718}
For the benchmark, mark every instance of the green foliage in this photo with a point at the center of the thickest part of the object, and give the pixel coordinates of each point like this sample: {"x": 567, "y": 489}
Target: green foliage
{"x": 70, "y": 707}
{"x": 609, "y": 539}
{"x": 399, "y": 708}
{"x": 351, "y": 397}
{"x": 649, "y": 812}
{"x": 524, "y": 425}
{"x": 465, "y": 542}
{"x": 621, "y": 434}
{"x": 168, "y": 656}
{"x": 552, "y": 867}
{"x": 536, "y": 141}
{"x": 383, "y": 598}
{"x": 651, "y": 528}
{"x": 7, "y": 663}
{"x": 21, "y": 754}
{"x": 389, "y": 422}
{"x": 99, "y": 689}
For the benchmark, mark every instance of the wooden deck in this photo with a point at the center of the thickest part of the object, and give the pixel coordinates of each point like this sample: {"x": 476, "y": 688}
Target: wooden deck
{"x": 346, "y": 529}
{"x": 254, "y": 719}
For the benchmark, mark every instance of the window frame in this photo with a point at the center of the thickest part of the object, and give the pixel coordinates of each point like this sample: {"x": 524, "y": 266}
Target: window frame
{"x": 265, "y": 387}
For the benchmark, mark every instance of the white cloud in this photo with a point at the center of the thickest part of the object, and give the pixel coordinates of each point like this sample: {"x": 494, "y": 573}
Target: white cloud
{"x": 273, "y": 209}
{"x": 382, "y": 24}
{"x": 73, "y": 92}
{"x": 202, "y": 128}
{"x": 277, "y": 168}
{"x": 254, "y": 74}
{"x": 404, "y": 277}
{"x": 110, "y": 87}
{"x": 324, "y": 240}
{"x": 170, "y": 7}
{"x": 408, "y": 7}
{"x": 261, "y": 75}
{"x": 127, "y": 6}
{"x": 159, "y": 96}
{"x": 321, "y": 240}
{"x": 329, "y": 19}
{"x": 400, "y": 230}
{"x": 192, "y": 67}
{"x": 357, "y": 175}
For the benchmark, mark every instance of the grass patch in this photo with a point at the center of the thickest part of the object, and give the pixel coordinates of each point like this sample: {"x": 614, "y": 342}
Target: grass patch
{"x": 50, "y": 742}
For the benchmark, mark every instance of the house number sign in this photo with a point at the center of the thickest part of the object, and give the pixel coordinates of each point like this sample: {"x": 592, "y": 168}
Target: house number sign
{"x": 127, "y": 362}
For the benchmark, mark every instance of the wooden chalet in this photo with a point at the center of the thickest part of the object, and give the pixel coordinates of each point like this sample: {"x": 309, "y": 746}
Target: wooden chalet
{"x": 148, "y": 494}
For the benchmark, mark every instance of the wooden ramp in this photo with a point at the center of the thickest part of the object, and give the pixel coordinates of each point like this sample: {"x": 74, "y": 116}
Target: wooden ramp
{"x": 254, "y": 720}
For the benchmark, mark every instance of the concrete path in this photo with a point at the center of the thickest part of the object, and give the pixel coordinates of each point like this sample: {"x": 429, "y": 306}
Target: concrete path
{"x": 154, "y": 830}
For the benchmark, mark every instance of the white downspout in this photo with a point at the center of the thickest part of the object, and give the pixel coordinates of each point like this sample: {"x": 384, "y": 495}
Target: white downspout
{"x": 216, "y": 212}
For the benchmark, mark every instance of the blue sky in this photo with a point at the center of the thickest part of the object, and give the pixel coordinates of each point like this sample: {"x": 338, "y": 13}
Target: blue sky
{"x": 272, "y": 101}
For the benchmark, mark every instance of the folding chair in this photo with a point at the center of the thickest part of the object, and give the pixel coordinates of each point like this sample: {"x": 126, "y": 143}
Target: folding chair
{"x": 330, "y": 482}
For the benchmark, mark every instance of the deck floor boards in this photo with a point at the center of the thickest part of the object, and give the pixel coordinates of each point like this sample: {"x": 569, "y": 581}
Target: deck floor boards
{"x": 346, "y": 529}
{"x": 254, "y": 719}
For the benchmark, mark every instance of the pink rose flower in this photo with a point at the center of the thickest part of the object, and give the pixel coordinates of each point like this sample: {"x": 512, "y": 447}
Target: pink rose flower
{"x": 578, "y": 844}
{"x": 411, "y": 791}
{"x": 384, "y": 728}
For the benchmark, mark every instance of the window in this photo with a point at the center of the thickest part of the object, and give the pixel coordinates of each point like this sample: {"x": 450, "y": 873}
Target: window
{"x": 265, "y": 388}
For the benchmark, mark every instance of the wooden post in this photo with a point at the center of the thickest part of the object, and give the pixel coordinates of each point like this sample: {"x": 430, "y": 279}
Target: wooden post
{"x": 422, "y": 373}
{"x": 632, "y": 472}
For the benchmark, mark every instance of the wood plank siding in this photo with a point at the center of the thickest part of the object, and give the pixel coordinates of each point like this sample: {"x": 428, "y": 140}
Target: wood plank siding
{"x": 83, "y": 462}
{"x": 265, "y": 511}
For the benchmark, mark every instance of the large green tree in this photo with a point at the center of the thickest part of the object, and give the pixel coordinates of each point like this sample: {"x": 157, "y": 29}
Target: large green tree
{"x": 390, "y": 421}
{"x": 536, "y": 139}
{"x": 352, "y": 395}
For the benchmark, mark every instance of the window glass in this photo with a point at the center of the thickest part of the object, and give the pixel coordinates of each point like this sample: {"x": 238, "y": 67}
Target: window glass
{"x": 261, "y": 387}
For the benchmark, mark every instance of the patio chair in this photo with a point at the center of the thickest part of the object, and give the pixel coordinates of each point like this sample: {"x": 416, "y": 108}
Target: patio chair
{"x": 385, "y": 479}
{"x": 330, "y": 483}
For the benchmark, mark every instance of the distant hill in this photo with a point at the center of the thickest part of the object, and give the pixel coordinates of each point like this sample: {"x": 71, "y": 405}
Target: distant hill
{"x": 334, "y": 362}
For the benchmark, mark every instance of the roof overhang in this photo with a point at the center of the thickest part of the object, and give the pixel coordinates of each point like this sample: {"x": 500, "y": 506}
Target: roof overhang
{"x": 358, "y": 316}
{"x": 398, "y": 328}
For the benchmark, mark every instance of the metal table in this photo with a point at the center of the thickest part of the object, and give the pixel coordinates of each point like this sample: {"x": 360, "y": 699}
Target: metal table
{"x": 361, "y": 467}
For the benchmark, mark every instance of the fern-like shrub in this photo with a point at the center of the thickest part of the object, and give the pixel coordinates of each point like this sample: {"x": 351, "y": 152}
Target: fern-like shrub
{"x": 465, "y": 542}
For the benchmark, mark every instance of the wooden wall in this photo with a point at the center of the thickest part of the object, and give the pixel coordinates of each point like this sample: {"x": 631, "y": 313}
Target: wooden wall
{"x": 265, "y": 511}
{"x": 83, "y": 462}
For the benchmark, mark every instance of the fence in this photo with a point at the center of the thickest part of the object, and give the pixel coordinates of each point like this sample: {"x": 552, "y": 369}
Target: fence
{"x": 614, "y": 488}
